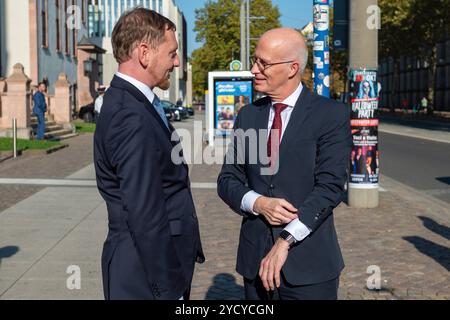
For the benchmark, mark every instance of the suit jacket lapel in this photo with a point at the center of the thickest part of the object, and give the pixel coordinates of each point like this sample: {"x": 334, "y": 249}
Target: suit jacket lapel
{"x": 261, "y": 123}
{"x": 296, "y": 120}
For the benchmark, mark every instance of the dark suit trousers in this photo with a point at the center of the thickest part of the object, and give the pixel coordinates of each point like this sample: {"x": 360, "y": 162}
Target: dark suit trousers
{"x": 254, "y": 289}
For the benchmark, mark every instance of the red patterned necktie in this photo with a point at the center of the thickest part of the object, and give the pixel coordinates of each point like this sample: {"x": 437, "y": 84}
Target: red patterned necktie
{"x": 276, "y": 125}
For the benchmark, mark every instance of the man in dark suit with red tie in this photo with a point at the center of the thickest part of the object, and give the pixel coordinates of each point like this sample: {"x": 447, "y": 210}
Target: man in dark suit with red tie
{"x": 288, "y": 247}
{"x": 153, "y": 240}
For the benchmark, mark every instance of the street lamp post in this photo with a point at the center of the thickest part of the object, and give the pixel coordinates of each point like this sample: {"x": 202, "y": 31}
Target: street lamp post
{"x": 245, "y": 33}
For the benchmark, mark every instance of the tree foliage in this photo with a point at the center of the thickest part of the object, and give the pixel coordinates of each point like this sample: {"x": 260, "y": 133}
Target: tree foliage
{"x": 218, "y": 28}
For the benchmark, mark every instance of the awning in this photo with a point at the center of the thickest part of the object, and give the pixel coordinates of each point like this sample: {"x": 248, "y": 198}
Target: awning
{"x": 89, "y": 47}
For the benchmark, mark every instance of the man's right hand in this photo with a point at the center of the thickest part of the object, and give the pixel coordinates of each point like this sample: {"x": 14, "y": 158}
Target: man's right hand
{"x": 276, "y": 211}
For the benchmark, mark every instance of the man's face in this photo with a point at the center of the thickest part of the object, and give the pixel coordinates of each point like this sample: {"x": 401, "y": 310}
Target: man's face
{"x": 164, "y": 60}
{"x": 272, "y": 78}
{"x": 42, "y": 87}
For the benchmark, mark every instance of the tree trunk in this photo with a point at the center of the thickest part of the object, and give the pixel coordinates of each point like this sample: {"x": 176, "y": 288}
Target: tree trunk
{"x": 395, "y": 84}
{"x": 432, "y": 77}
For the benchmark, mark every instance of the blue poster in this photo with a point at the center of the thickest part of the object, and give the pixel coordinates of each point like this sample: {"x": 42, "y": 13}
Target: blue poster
{"x": 230, "y": 97}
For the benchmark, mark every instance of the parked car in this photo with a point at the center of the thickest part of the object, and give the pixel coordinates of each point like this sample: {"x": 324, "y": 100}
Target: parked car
{"x": 86, "y": 113}
{"x": 169, "y": 113}
{"x": 190, "y": 111}
{"x": 180, "y": 113}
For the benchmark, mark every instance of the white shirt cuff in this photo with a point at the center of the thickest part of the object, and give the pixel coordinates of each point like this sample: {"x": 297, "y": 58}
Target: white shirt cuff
{"x": 298, "y": 230}
{"x": 248, "y": 200}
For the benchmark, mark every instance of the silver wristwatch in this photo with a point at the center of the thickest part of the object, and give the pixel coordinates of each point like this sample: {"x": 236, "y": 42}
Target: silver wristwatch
{"x": 285, "y": 235}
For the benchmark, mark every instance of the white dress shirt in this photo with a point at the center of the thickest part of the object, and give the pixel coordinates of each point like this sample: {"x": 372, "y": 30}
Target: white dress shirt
{"x": 98, "y": 104}
{"x": 142, "y": 87}
{"x": 296, "y": 228}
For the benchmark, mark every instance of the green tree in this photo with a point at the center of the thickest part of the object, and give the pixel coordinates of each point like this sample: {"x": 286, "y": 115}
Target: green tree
{"x": 218, "y": 28}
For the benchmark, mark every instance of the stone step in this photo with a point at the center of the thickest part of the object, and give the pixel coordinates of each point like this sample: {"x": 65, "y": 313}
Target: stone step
{"x": 58, "y": 133}
{"x": 48, "y": 117}
{"x": 47, "y": 122}
{"x": 48, "y": 127}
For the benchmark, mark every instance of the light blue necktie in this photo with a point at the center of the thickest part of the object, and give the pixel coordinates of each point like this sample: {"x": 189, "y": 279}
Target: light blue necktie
{"x": 159, "y": 108}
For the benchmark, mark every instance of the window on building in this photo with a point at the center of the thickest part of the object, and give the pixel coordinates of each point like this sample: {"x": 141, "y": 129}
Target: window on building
{"x": 75, "y": 33}
{"x": 154, "y": 5}
{"x": 83, "y": 11}
{"x": 110, "y": 16}
{"x": 44, "y": 22}
{"x": 66, "y": 28}
{"x": 58, "y": 25}
{"x": 116, "y": 11}
{"x": 160, "y": 9}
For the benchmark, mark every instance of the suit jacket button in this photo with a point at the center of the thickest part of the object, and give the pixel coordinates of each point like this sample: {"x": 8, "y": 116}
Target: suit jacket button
{"x": 272, "y": 186}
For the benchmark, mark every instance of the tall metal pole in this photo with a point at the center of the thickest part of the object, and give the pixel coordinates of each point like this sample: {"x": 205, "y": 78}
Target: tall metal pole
{"x": 243, "y": 26}
{"x": 321, "y": 14}
{"x": 248, "y": 35}
{"x": 364, "y": 97}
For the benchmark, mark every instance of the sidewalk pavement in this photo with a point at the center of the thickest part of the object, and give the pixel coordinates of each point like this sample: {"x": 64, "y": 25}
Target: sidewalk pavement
{"x": 407, "y": 237}
{"x": 428, "y": 130}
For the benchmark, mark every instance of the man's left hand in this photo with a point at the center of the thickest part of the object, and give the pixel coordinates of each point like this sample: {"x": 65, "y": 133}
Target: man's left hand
{"x": 272, "y": 263}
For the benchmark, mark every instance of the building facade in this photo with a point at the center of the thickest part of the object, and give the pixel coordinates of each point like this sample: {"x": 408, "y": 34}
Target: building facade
{"x": 410, "y": 82}
{"x": 49, "y": 37}
{"x": 103, "y": 15}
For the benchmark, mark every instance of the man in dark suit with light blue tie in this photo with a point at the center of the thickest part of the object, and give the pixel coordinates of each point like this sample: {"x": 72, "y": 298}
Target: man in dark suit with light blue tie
{"x": 288, "y": 246}
{"x": 153, "y": 240}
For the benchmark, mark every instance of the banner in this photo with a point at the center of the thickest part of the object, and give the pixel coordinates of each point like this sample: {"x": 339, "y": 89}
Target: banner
{"x": 364, "y": 163}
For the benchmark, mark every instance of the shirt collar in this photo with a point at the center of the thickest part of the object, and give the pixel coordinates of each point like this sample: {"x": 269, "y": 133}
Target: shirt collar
{"x": 142, "y": 87}
{"x": 292, "y": 99}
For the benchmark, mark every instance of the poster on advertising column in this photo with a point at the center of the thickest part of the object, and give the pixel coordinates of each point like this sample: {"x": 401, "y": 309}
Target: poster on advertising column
{"x": 364, "y": 165}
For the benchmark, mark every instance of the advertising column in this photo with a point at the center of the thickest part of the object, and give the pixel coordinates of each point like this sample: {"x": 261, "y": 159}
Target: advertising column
{"x": 321, "y": 14}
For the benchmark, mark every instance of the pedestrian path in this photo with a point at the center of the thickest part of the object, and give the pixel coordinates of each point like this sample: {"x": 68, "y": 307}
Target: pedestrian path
{"x": 61, "y": 228}
{"x": 432, "y": 135}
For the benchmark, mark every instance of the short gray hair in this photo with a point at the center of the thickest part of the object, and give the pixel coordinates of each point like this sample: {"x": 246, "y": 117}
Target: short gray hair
{"x": 303, "y": 57}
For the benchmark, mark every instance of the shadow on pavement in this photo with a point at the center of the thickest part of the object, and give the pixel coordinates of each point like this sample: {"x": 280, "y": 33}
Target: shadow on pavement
{"x": 445, "y": 180}
{"x": 435, "y": 251}
{"x": 432, "y": 225}
{"x": 224, "y": 287}
{"x": 7, "y": 252}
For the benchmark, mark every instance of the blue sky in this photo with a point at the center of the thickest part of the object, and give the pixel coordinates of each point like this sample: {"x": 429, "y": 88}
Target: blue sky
{"x": 294, "y": 13}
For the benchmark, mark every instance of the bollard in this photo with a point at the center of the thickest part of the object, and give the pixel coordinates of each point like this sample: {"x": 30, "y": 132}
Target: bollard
{"x": 14, "y": 127}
